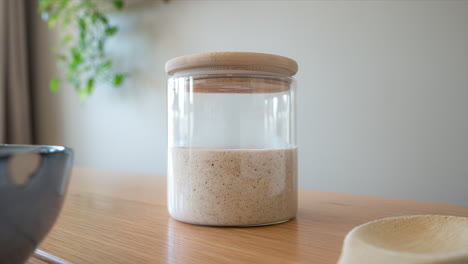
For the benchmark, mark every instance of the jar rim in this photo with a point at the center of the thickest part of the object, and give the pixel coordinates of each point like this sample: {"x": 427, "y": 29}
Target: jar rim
{"x": 235, "y": 83}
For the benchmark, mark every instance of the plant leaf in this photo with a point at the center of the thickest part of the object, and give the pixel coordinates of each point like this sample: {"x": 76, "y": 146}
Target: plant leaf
{"x": 110, "y": 31}
{"x": 85, "y": 62}
{"x": 83, "y": 43}
{"x": 119, "y": 4}
{"x": 101, "y": 46}
{"x": 43, "y": 5}
{"x": 54, "y": 84}
{"x": 90, "y": 86}
{"x": 83, "y": 95}
{"x": 82, "y": 24}
{"x": 75, "y": 52}
{"x": 106, "y": 65}
{"x": 103, "y": 19}
{"x": 52, "y": 21}
{"x": 66, "y": 40}
{"x": 63, "y": 4}
{"x": 70, "y": 13}
{"x": 118, "y": 79}
{"x": 94, "y": 17}
{"x": 77, "y": 60}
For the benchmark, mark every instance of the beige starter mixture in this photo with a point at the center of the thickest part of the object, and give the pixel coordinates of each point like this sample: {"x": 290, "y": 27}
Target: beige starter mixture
{"x": 229, "y": 187}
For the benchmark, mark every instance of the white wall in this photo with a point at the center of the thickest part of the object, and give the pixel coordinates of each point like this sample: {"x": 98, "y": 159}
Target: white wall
{"x": 383, "y": 105}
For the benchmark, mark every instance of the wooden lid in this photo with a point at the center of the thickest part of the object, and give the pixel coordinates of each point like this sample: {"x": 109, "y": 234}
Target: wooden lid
{"x": 234, "y": 61}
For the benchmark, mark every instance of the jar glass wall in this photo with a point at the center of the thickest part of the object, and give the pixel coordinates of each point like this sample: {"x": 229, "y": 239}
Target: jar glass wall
{"x": 232, "y": 150}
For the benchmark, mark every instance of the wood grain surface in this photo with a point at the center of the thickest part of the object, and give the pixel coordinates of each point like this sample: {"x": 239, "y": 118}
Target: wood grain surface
{"x": 117, "y": 217}
{"x": 233, "y": 61}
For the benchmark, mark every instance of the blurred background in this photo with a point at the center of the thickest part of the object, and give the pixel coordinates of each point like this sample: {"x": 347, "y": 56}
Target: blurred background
{"x": 383, "y": 88}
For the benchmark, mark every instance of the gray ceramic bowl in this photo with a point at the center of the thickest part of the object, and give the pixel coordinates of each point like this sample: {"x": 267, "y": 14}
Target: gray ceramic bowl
{"x": 33, "y": 183}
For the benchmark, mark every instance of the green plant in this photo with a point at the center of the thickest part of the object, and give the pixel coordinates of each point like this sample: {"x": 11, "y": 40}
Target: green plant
{"x": 81, "y": 50}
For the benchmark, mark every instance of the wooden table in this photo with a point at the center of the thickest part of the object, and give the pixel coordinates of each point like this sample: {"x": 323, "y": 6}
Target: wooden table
{"x": 116, "y": 217}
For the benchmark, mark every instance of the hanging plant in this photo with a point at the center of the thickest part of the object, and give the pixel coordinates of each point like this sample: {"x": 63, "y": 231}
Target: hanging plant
{"x": 81, "y": 50}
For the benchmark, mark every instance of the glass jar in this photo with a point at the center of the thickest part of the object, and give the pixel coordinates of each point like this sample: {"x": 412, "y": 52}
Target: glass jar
{"x": 232, "y": 154}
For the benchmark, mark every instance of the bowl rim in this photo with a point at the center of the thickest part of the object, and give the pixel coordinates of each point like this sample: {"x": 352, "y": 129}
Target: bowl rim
{"x": 25, "y": 148}
{"x": 434, "y": 256}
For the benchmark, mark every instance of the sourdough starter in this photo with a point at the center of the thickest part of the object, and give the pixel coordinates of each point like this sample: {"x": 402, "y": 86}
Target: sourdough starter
{"x": 229, "y": 187}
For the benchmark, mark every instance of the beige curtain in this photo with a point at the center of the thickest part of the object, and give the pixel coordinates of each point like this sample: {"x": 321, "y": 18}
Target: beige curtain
{"x": 15, "y": 108}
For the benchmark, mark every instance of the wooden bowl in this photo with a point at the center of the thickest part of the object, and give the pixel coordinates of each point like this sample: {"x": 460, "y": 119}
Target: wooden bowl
{"x": 409, "y": 239}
